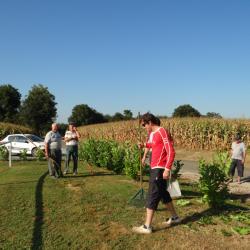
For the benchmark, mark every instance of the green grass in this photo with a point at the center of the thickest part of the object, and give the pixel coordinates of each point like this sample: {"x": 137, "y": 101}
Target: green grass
{"x": 92, "y": 212}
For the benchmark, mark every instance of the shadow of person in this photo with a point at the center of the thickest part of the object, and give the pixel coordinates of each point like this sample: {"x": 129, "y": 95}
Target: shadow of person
{"x": 37, "y": 238}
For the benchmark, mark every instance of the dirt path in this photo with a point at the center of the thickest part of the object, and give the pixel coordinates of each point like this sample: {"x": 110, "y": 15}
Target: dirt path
{"x": 190, "y": 171}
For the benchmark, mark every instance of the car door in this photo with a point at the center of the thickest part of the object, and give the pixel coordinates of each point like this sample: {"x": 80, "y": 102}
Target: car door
{"x": 21, "y": 143}
{"x": 11, "y": 139}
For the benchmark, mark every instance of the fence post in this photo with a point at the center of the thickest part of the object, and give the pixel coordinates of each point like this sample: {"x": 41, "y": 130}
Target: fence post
{"x": 10, "y": 149}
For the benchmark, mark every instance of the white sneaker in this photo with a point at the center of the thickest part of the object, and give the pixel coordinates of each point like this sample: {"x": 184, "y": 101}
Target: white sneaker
{"x": 171, "y": 221}
{"x": 142, "y": 230}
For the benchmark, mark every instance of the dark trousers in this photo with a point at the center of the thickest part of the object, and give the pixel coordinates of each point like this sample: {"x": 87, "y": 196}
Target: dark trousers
{"x": 236, "y": 164}
{"x": 157, "y": 189}
{"x": 56, "y": 160}
{"x": 71, "y": 150}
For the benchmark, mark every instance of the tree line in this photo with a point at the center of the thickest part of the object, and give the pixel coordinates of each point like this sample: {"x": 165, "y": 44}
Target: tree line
{"x": 37, "y": 110}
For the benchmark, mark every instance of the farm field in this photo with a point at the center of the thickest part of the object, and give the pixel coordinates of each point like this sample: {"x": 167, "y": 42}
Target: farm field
{"x": 91, "y": 211}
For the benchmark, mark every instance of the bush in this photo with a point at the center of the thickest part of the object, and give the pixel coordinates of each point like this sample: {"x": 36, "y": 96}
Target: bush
{"x": 40, "y": 154}
{"x": 4, "y": 153}
{"x": 132, "y": 161}
{"x": 111, "y": 155}
{"x": 23, "y": 155}
{"x": 176, "y": 169}
{"x": 212, "y": 184}
{"x": 223, "y": 159}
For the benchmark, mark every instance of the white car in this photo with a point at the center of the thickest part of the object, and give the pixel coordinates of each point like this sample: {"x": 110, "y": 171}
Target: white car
{"x": 19, "y": 142}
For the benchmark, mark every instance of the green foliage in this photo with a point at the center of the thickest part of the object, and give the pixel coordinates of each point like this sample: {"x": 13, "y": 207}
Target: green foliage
{"x": 38, "y": 109}
{"x": 176, "y": 169}
{"x": 242, "y": 230}
{"x": 40, "y": 154}
{"x": 132, "y": 161}
{"x": 128, "y": 115}
{"x": 213, "y": 115}
{"x": 111, "y": 155}
{"x": 212, "y": 184}
{"x": 223, "y": 160}
{"x": 186, "y": 111}
{"x": 183, "y": 202}
{"x": 4, "y": 153}
{"x": 206, "y": 220}
{"x": 23, "y": 155}
{"x": 9, "y": 103}
{"x": 82, "y": 114}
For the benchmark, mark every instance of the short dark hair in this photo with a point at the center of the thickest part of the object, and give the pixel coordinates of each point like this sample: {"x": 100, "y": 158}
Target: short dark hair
{"x": 148, "y": 117}
{"x": 237, "y": 137}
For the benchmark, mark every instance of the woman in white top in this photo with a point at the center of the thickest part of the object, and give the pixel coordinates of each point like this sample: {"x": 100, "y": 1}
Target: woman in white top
{"x": 238, "y": 157}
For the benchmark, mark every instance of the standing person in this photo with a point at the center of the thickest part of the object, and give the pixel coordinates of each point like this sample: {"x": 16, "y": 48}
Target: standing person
{"x": 238, "y": 153}
{"x": 71, "y": 139}
{"x": 162, "y": 159}
{"x": 53, "y": 151}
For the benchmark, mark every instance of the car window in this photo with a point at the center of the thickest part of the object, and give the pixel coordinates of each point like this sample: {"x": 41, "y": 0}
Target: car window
{"x": 34, "y": 138}
{"x": 20, "y": 138}
{"x": 11, "y": 138}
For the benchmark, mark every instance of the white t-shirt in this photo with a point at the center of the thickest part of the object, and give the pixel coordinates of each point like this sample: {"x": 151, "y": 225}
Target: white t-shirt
{"x": 69, "y": 135}
{"x": 238, "y": 150}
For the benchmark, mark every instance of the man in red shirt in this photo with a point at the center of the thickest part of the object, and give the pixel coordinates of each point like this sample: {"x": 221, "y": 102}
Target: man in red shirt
{"x": 161, "y": 162}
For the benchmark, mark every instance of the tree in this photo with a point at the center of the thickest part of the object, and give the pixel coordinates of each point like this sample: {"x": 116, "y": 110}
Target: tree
{"x": 10, "y": 100}
{"x": 38, "y": 110}
{"x": 213, "y": 115}
{"x": 128, "y": 115}
{"x": 186, "y": 111}
{"x": 117, "y": 117}
{"x": 82, "y": 114}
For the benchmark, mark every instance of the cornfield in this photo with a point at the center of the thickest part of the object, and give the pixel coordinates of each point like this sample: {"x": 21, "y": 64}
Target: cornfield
{"x": 190, "y": 133}
{"x": 8, "y": 128}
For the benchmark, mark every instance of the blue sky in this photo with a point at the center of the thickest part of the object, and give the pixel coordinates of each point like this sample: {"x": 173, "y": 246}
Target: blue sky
{"x": 130, "y": 54}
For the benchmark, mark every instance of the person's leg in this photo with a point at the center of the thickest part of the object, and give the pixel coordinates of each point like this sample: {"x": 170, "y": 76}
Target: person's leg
{"x": 240, "y": 170}
{"x": 75, "y": 158}
{"x": 232, "y": 168}
{"x": 59, "y": 162}
{"x": 149, "y": 217}
{"x": 171, "y": 209}
{"x": 54, "y": 162}
{"x": 67, "y": 160}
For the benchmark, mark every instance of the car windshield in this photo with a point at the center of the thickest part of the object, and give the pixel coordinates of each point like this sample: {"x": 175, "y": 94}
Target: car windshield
{"x": 34, "y": 138}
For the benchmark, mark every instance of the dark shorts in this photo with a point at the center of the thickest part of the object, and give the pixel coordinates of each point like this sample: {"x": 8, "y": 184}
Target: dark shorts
{"x": 236, "y": 164}
{"x": 157, "y": 190}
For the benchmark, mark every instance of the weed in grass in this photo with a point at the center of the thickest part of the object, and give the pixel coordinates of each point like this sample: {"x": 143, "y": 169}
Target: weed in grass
{"x": 241, "y": 230}
{"x": 206, "y": 220}
{"x": 226, "y": 233}
{"x": 183, "y": 203}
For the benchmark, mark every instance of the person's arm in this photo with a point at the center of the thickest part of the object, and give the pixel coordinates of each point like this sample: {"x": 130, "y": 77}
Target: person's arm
{"x": 47, "y": 150}
{"x": 170, "y": 152}
{"x": 244, "y": 154}
{"x": 146, "y": 150}
{"x": 78, "y": 135}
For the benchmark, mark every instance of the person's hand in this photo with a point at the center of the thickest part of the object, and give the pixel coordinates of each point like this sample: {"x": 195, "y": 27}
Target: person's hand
{"x": 46, "y": 155}
{"x": 166, "y": 174}
{"x": 242, "y": 162}
{"x": 143, "y": 161}
{"x": 140, "y": 145}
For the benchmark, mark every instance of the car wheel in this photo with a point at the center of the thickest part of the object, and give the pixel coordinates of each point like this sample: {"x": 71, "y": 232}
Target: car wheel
{"x": 33, "y": 152}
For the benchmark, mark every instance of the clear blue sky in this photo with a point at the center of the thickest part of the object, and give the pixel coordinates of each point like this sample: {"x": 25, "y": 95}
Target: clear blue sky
{"x": 130, "y": 54}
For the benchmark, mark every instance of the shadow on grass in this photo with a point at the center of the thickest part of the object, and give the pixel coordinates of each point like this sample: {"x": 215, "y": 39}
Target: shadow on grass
{"x": 245, "y": 179}
{"x": 242, "y": 197}
{"x": 94, "y": 174}
{"x": 37, "y": 239}
{"x": 207, "y": 213}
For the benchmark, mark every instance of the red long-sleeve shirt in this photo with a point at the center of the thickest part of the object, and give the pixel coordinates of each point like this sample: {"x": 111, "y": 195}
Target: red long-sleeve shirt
{"x": 163, "y": 152}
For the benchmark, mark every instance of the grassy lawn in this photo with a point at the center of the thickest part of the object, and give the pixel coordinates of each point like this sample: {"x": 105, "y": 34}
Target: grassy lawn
{"x": 90, "y": 211}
